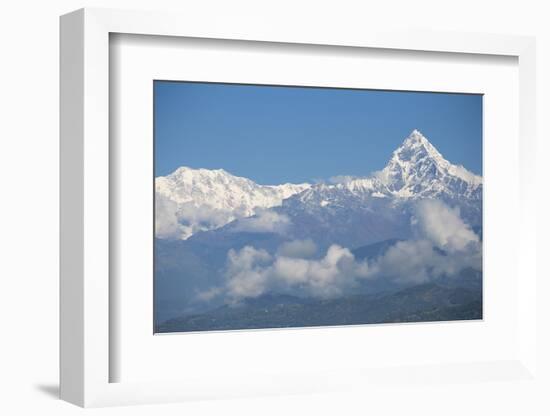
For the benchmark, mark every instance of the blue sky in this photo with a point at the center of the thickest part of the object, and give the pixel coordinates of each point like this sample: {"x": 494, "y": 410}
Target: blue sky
{"x": 291, "y": 134}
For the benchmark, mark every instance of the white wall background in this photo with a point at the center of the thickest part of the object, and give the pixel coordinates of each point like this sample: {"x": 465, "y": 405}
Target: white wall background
{"x": 29, "y": 205}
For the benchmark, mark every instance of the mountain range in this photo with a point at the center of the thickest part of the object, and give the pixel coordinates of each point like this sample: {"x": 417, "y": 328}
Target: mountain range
{"x": 426, "y": 302}
{"x": 202, "y": 216}
{"x": 202, "y": 199}
{"x": 195, "y": 200}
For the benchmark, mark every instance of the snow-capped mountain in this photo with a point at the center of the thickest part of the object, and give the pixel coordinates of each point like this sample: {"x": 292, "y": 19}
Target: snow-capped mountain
{"x": 363, "y": 215}
{"x": 191, "y": 200}
{"x": 358, "y": 211}
{"x": 416, "y": 170}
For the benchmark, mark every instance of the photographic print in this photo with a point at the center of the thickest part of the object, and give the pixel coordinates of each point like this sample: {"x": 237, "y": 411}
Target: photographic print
{"x": 289, "y": 206}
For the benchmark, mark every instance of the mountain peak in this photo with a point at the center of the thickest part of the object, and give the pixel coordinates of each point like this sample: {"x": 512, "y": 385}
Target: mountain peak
{"x": 415, "y": 136}
{"x": 417, "y": 168}
{"x": 196, "y": 200}
{"x": 417, "y": 147}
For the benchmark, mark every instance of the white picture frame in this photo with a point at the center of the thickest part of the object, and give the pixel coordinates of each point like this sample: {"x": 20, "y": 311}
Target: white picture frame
{"x": 86, "y": 355}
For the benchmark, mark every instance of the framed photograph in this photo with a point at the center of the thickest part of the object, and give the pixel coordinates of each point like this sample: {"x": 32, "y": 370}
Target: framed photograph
{"x": 266, "y": 211}
{"x": 285, "y": 206}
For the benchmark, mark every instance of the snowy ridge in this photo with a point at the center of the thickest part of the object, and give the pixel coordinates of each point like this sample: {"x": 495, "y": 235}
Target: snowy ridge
{"x": 221, "y": 190}
{"x": 415, "y": 170}
{"x": 203, "y": 199}
{"x": 191, "y": 200}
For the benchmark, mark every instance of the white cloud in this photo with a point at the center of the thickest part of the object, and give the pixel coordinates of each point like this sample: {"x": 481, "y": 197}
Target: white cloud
{"x": 406, "y": 261}
{"x": 341, "y": 179}
{"x": 443, "y": 226}
{"x": 325, "y": 277}
{"x": 444, "y": 246}
{"x": 251, "y": 272}
{"x": 180, "y": 221}
{"x": 202, "y": 217}
{"x": 265, "y": 220}
{"x": 246, "y": 272}
{"x": 166, "y": 219}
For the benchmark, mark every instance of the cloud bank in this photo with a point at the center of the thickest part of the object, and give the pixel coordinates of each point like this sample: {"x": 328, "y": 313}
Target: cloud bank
{"x": 252, "y": 272}
{"x": 264, "y": 221}
{"x": 180, "y": 221}
{"x": 166, "y": 220}
{"x": 443, "y": 226}
{"x": 443, "y": 246}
